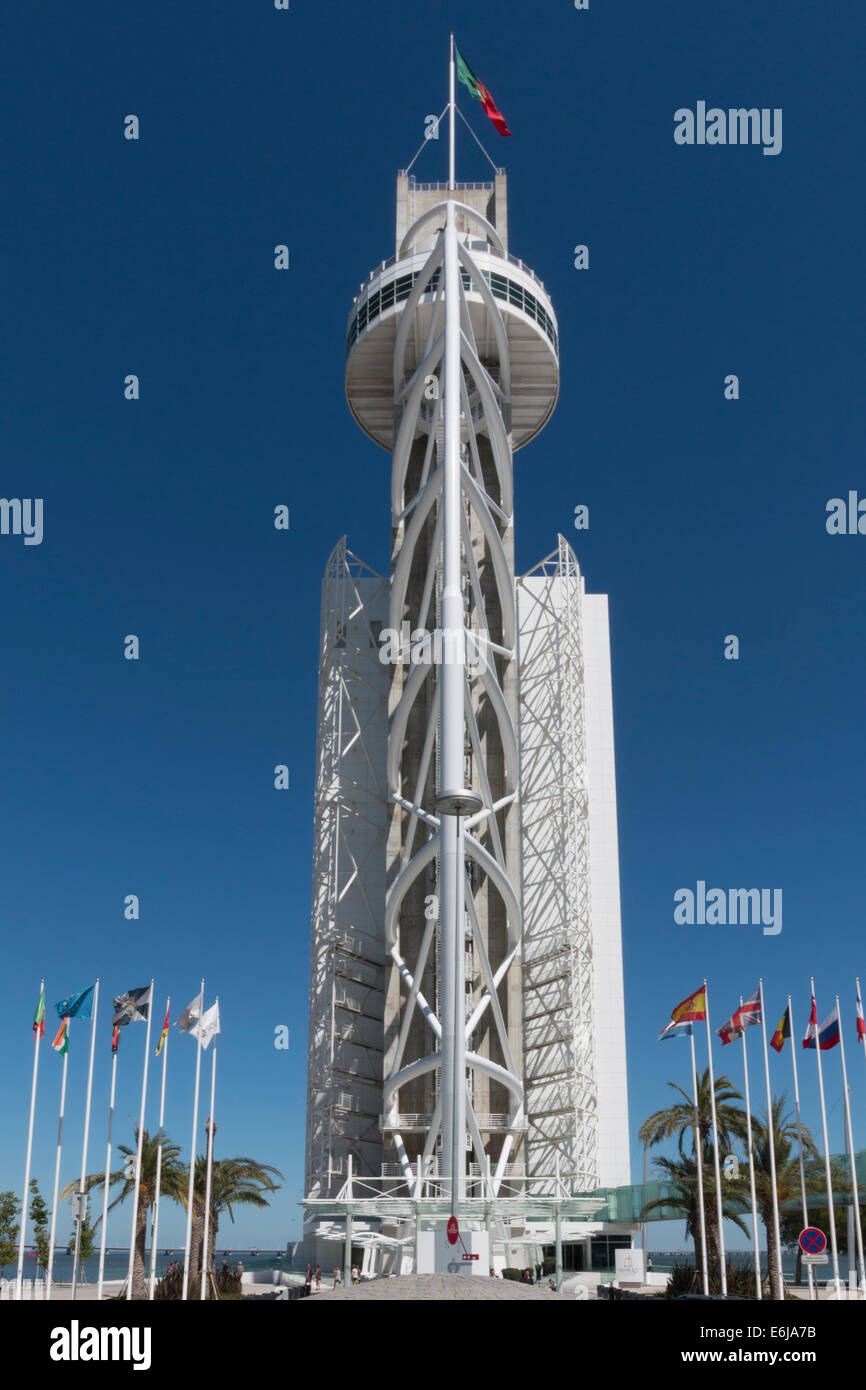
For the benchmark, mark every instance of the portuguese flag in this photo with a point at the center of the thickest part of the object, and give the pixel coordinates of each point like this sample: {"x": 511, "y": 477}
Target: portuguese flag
{"x": 39, "y": 1016}
{"x": 480, "y": 92}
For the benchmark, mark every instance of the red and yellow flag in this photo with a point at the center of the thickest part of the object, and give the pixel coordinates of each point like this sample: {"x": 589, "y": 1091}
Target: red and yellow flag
{"x": 693, "y": 1009}
{"x": 164, "y": 1034}
{"x": 782, "y": 1032}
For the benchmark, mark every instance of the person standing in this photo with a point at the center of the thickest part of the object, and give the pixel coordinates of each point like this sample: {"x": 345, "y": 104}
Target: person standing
{"x": 338, "y": 1278}
{"x": 308, "y": 1281}
{"x": 318, "y": 1278}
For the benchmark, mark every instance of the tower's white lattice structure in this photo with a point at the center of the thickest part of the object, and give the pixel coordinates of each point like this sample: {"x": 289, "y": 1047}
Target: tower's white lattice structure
{"x": 466, "y": 990}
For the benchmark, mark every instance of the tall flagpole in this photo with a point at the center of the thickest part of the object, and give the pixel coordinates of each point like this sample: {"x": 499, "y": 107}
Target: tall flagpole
{"x": 451, "y": 118}
{"x": 189, "y": 1203}
{"x": 771, "y": 1136}
{"x": 37, "y": 1036}
{"x": 849, "y": 1135}
{"x": 831, "y": 1210}
{"x": 719, "y": 1213}
{"x": 699, "y": 1144}
{"x": 81, "y": 1212}
{"x": 155, "y": 1227}
{"x": 800, "y": 1139}
{"x": 107, "y": 1176}
{"x": 139, "y": 1146}
{"x": 50, "y": 1270}
{"x": 210, "y": 1134}
{"x": 755, "y": 1232}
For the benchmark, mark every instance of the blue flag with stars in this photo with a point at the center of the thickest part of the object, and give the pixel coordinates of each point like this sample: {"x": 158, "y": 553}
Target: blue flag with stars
{"x": 77, "y": 1005}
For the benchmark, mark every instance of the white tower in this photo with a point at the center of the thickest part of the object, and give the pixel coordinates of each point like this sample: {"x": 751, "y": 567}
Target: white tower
{"x": 455, "y": 1005}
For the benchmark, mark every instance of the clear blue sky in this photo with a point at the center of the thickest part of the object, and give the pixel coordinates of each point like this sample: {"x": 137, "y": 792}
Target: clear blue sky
{"x": 707, "y": 517}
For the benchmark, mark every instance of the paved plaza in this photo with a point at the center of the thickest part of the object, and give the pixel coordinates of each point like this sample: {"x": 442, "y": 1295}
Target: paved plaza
{"x": 435, "y": 1288}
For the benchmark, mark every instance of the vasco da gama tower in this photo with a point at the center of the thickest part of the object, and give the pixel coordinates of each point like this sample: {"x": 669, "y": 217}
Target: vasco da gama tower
{"x": 466, "y": 1008}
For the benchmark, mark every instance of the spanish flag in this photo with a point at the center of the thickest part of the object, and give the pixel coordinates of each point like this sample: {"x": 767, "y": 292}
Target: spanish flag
{"x": 782, "y": 1032}
{"x": 164, "y": 1034}
{"x": 693, "y": 1009}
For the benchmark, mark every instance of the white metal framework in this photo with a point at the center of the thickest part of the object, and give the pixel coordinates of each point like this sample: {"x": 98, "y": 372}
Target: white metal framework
{"x": 346, "y": 969}
{"x": 452, "y": 750}
{"x": 559, "y": 1038}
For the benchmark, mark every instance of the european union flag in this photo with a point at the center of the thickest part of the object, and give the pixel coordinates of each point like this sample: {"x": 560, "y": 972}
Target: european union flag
{"x": 77, "y": 1005}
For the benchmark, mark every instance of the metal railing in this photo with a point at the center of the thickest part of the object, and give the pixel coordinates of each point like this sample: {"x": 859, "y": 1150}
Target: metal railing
{"x": 410, "y": 1123}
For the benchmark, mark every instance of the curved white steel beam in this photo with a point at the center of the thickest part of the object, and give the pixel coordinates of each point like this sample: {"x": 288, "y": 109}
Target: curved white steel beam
{"x": 439, "y": 211}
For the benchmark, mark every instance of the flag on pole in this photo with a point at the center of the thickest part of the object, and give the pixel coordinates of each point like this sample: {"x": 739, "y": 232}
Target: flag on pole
{"x": 190, "y": 1015}
{"x": 164, "y": 1034}
{"x": 61, "y": 1042}
{"x": 827, "y": 1034}
{"x": 77, "y": 1005}
{"x": 132, "y": 1007}
{"x": 39, "y": 1016}
{"x": 749, "y": 1012}
{"x": 675, "y": 1030}
{"x": 861, "y": 1025}
{"x": 115, "y": 1038}
{"x": 208, "y": 1026}
{"x": 693, "y": 1009}
{"x": 478, "y": 90}
{"x": 730, "y": 1030}
{"x": 783, "y": 1031}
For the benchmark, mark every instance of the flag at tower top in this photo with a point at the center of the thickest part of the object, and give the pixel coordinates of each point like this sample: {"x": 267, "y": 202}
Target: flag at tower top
{"x": 480, "y": 92}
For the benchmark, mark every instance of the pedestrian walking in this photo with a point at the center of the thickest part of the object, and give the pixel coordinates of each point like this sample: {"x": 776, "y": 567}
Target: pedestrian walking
{"x": 318, "y": 1278}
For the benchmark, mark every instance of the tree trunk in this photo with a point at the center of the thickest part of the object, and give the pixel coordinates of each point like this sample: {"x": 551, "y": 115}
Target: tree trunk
{"x": 196, "y": 1242}
{"x": 772, "y": 1257}
{"x": 139, "y": 1283}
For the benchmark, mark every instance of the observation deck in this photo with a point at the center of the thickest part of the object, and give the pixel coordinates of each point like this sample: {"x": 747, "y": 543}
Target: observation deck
{"x": 521, "y": 298}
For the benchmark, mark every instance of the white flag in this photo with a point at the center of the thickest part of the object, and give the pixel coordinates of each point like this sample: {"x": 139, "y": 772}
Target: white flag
{"x": 190, "y": 1015}
{"x": 208, "y": 1025}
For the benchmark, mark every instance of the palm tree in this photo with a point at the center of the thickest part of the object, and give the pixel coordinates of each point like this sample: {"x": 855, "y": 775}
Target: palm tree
{"x": 174, "y": 1179}
{"x": 682, "y": 1174}
{"x": 234, "y": 1182}
{"x": 788, "y": 1188}
{"x": 678, "y": 1121}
